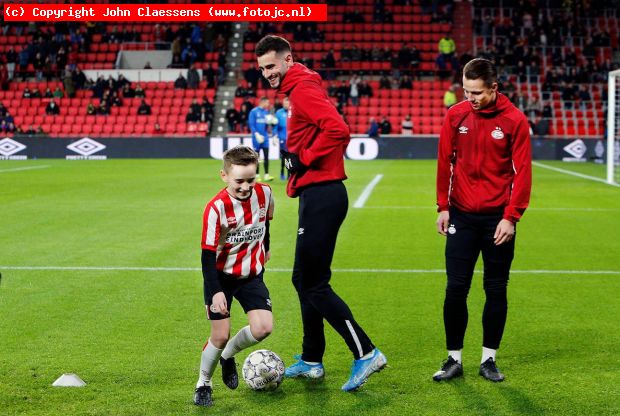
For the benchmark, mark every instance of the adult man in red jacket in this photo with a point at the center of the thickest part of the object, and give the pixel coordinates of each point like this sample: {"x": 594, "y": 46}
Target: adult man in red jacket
{"x": 484, "y": 177}
{"x": 317, "y": 139}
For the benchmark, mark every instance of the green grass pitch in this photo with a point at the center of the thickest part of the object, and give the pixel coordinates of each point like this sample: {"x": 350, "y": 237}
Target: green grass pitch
{"x": 135, "y": 335}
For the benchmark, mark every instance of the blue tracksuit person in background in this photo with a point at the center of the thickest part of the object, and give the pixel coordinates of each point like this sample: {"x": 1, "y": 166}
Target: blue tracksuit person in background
{"x": 257, "y": 122}
{"x": 282, "y": 117}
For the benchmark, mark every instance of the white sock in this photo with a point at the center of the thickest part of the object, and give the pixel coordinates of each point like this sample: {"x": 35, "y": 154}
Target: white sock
{"x": 487, "y": 353}
{"x": 242, "y": 340}
{"x": 456, "y": 355}
{"x": 367, "y": 356}
{"x": 208, "y": 361}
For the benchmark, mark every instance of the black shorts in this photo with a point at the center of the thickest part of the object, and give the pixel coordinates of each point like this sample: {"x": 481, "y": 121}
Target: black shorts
{"x": 251, "y": 293}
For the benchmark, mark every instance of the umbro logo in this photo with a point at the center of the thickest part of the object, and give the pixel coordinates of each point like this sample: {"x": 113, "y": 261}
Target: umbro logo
{"x": 463, "y": 130}
{"x": 300, "y": 231}
{"x": 269, "y": 302}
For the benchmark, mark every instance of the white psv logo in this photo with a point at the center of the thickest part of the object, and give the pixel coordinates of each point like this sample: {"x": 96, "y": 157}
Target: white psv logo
{"x": 497, "y": 134}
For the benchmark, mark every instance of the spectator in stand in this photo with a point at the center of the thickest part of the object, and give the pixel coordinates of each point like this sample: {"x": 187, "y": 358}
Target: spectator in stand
{"x": 384, "y": 83}
{"x": 365, "y": 89}
{"x": 447, "y": 54}
{"x": 116, "y": 100}
{"x": 194, "y": 106}
{"x": 180, "y": 83}
{"x": 534, "y": 107}
{"x": 157, "y": 129}
{"x": 188, "y": 56}
{"x": 69, "y": 84}
{"x": 568, "y": 94}
{"x": 11, "y": 60}
{"x": 203, "y": 116}
{"x": 406, "y": 126}
{"x": 139, "y": 92}
{"x": 3, "y": 111}
{"x": 406, "y": 83}
{"x": 193, "y": 78}
{"x": 354, "y": 93}
{"x": 209, "y": 74}
{"x": 232, "y": 117}
{"x": 35, "y": 93}
{"x": 48, "y": 93}
{"x": 373, "y": 129}
{"x": 90, "y": 109}
{"x": 104, "y": 108}
{"x": 147, "y": 65}
{"x": 144, "y": 109}
{"x": 241, "y": 91}
{"x": 26, "y": 93}
{"x": 449, "y": 98}
{"x": 244, "y": 113}
{"x": 52, "y": 108}
{"x": 585, "y": 99}
{"x": 342, "y": 93}
{"x": 128, "y": 92}
{"x": 191, "y": 116}
{"x": 385, "y": 126}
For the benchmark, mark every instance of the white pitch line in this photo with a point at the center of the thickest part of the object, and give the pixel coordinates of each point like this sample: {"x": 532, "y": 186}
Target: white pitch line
{"x": 275, "y": 269}
{"x": 367, "y": 191}
{"x": 579, "y": 175}
{"x": 24, "y": 168}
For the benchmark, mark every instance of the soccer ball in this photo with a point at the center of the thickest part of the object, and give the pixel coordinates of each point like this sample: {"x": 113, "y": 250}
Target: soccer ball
{"x": 271, "y": 119}
{"x": 263, "y": 370}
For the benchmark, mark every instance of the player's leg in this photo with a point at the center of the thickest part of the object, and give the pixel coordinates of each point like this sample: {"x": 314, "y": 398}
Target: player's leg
{"x": 461, "y": 252}
{"x": 497, "y": 262}
{"x": 254, "y": 298}
{"x": 282, "y": 173}
{"x": 323, "y": 208}
{"x": 309, "y": 363}
{"x": 220, "y": 329}
{"x": 257, "y": 148}
{"x": 265, "y": 149}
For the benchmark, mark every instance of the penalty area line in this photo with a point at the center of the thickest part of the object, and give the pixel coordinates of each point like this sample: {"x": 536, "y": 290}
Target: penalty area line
{"x": 570, "y": 172}
{"x": 361, "y": 200}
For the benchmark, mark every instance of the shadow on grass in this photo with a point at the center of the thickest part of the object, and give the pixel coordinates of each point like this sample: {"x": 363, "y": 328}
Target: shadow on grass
{"x": 483, "y": 397}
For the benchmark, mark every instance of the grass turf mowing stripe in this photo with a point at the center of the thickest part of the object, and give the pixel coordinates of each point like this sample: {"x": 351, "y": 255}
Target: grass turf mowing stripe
{"x": 568, "y": 209}
{"x": 361, "y": 200}
{"x": 283, "y": 270}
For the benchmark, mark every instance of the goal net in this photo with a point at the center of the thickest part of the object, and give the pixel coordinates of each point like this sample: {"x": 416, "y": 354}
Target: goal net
{"x": 613, "y": 128}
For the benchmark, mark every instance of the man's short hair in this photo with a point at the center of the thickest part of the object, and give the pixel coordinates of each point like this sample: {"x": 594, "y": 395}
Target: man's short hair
{"x": 272, "y": 43}
{"x": 239, "y": 155}
{"x": 480, "y": 68}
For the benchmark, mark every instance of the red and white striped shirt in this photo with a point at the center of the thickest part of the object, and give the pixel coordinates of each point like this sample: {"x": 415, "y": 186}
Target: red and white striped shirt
{"x": 235, "y": 230}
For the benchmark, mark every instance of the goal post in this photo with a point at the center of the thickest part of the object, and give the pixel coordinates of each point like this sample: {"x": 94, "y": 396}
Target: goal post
{"x": 613, "y": 127}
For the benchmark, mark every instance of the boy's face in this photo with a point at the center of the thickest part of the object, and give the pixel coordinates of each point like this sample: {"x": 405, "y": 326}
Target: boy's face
{"x": 240, "y": 180}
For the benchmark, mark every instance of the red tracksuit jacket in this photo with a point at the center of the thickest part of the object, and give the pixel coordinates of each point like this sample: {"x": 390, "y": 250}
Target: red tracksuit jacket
{"x": 315, "y": 130}
{"x": 484, "y": 162}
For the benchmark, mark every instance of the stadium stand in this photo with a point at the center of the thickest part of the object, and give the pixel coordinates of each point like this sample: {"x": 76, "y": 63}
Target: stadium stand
{"x": 378, "y": 58}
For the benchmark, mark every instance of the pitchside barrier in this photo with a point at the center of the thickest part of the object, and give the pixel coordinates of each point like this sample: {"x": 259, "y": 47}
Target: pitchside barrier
{"x": 360, "y": 148}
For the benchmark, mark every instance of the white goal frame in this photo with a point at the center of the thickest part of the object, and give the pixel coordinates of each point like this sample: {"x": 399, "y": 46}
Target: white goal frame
{"x": 612, "y": 129}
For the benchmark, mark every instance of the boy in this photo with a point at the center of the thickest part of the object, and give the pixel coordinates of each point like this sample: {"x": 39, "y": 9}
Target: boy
{"x": 235, "y": 247}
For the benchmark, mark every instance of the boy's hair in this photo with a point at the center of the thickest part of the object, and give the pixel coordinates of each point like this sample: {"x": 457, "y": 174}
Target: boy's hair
{"x": 272, "y": 43}
{"x": 480, "y": 68}
{"x": 239, "y": 155}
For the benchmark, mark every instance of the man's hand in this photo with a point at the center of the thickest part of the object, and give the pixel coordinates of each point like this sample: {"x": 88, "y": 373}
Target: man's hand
{"x": 292, "y": 162}
{"x": 442, "y": 222}
{"x": 504, "y": 232}
{"x": 218, "y": 304}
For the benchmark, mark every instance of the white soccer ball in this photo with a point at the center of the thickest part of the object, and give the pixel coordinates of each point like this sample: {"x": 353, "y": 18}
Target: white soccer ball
{"x": 263, "y": 370}
{"x": 271, "y": 119}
